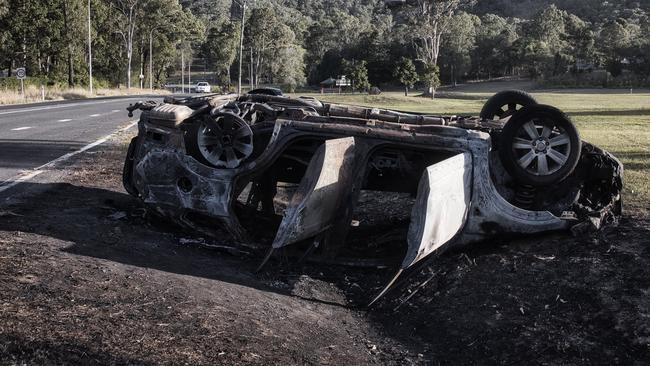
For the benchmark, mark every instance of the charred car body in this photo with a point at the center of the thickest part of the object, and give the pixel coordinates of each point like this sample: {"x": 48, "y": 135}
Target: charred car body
{"x": 520, "y": 168}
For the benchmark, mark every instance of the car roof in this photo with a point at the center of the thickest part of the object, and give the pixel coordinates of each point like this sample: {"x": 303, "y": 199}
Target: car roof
{"x": 266, "y": 91}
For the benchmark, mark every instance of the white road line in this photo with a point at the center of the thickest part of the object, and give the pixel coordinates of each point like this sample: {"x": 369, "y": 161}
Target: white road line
{"x": 95, "y": 115}
{"x": 116, "y": 110}
{"x": 20, "y": 128}
{"x": 21, "y": 178}
{"x": 64, "y": 120}
{"x": 21, "y": 110}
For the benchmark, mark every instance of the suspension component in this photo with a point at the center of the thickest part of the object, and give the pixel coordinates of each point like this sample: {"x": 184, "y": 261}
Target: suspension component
{"x": 525, "y": 196}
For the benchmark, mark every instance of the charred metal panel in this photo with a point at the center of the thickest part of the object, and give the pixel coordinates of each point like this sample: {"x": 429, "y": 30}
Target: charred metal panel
{"x": 441, "y": 208}
{"x": 490, "y": 214}
{"x": 325, "y": 188}
{"x": 164, "y": 177}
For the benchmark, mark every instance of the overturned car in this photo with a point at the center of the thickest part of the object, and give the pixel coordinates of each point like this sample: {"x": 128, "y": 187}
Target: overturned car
{"x": 299, "y": 166}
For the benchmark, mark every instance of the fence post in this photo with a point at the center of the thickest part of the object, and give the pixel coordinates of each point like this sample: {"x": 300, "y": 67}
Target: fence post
{"x": 42, "y": 92}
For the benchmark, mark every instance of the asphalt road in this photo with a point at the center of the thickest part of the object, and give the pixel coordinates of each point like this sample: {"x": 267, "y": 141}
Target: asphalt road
{"x": 33, "y": 135}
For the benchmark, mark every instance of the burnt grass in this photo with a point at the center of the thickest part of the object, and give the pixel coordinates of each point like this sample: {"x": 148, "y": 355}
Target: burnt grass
{"x": 88, "y": 276}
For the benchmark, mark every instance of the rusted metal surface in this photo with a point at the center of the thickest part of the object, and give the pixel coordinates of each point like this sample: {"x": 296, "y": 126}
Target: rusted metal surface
{"x": 332, "y": 152}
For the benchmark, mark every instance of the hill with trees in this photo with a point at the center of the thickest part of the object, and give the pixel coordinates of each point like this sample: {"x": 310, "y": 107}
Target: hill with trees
{"x": 302, "y": 42}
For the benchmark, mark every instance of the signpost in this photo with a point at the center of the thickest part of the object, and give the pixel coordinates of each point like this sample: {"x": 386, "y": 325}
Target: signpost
{"x": 21, "y": 75}
{"x": 341, "y": 82}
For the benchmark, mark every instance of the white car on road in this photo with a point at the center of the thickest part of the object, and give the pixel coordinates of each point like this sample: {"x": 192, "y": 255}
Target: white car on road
{"x": 203, "y": 87}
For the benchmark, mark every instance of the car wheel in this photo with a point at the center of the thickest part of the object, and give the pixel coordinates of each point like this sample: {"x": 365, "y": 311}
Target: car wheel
{"x": 127, "y": 171}
{"x": 224, "y": 140}
{"x": 505, "y": 104}
{"x": 539, "y": 145}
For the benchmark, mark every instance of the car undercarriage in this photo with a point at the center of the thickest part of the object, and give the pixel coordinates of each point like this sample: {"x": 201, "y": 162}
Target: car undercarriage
{"x": 298, "y": 166}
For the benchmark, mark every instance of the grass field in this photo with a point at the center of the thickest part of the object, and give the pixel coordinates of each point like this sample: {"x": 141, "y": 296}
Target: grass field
{"x": 614, "y": 120}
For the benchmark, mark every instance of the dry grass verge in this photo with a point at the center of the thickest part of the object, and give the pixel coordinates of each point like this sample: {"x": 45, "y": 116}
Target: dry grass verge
{"x": 34, "y": 94}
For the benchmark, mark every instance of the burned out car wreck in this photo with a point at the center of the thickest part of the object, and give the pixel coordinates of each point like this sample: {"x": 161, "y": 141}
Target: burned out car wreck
{"x": 236, "y": 163}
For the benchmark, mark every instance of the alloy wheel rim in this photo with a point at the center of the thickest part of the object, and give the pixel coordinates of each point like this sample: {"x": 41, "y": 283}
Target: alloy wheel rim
{"x": 541, "y": 147}
{"x": 225, "y": 140}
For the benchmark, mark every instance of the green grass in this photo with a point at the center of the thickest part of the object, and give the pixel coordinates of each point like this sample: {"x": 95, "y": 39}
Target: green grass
{"x": 614, "y": 120}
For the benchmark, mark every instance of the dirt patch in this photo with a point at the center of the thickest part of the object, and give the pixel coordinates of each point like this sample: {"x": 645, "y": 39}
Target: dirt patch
{"x": 552, "y": 300}
{"x": 88, "y": 277}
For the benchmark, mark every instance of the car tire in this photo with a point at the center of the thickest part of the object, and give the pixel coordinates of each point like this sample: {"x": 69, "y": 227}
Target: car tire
{"x": 127, "y": 170}
{"x": 539, "y": 145}
{"x": 505, "y": 103}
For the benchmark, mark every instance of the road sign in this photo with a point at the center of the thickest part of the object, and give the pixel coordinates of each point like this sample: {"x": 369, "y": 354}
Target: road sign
{"x": 343, "y": 81}
{"x": 20, "y": 73}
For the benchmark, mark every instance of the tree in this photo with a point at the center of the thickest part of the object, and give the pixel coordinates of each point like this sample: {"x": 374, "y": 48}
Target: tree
{"x": 640, "y": 54}
{"x": 373, "y": 47}
{"x": 617, "y": 38}
{"x": 5, "y": 36}
{"x": 220, "y": 49}
{"x": 357, "y": 72}
{"x": 431, "y": 75}
{"x": 315, "y": 36}
{"x": 549, "y": 27}
{"x": 459, "y": 41}
{"x": 330, "y": 34}
{"x": 241, "y": 5}
{"x": 431, "y": 18}
{"x": 72, "y": 24}
{"x": 544, "y": 45}
{"x": 289, "y": 68}
{"x": 581, "y": 42}
{"x": 535, "y": 54}
{"x": 492, "y": 54}
{"x": 266, "y": 34}
{"x": 126, "y": 20}
{"x": 406, "y": 73}
{"x": 209, "y": 11}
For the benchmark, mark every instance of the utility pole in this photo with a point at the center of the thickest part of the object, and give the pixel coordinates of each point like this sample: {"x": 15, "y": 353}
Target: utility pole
{"x": 251, "y": 69}
{"x": 182, "y": 72}
{"x": 242, "y": 4}
{"x": 90, "y": 53}
{"x": 151, "y": 60}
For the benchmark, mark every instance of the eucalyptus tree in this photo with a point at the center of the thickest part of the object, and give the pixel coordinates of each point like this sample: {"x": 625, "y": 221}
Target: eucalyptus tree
{"x": 73, "y": 24}
{"x": 289, "y": 68}
{"x": 166, "y": 25}
{"x": 428, "y": 20}
{"x": 126, "y": 17}
{"x": 220, "y": 49}
{"x": 266, "y": 35}
{"x": 616, "y": 38}
{"x": 135, "y": 20}
{"x": 492, "y": 53}
{"x": 459, "y": 42}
